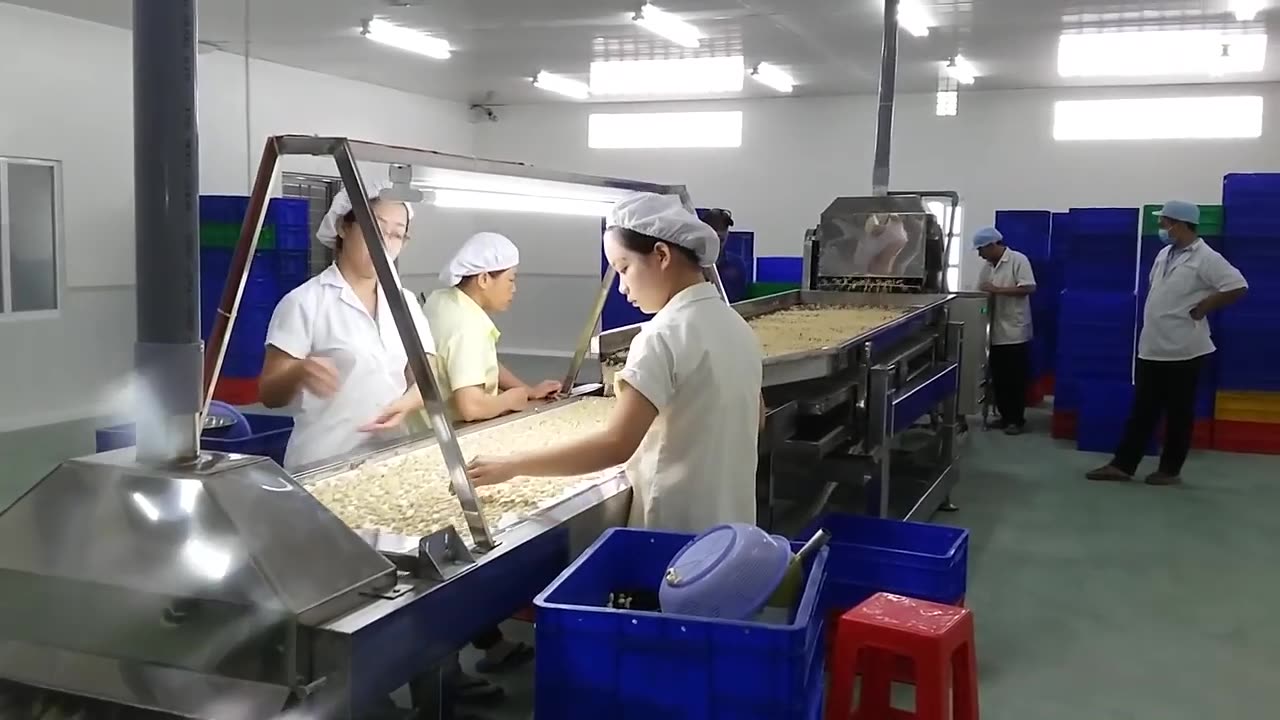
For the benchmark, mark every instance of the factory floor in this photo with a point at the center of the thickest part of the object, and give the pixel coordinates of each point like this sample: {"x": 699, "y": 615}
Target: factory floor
{"x": 1092, "y": 600}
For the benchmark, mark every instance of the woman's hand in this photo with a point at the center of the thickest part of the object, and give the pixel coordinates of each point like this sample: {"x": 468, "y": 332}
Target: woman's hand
{"x": 544, "y": 390}
{"x": 490, "y": 470}
{"x": 390, "y": 418}
{"x": 319, "y": 376}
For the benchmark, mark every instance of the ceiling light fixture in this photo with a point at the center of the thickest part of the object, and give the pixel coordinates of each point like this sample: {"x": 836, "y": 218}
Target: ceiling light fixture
{"x": 1247, "y": 10}
{"x": 694, "y": 76}
{"x": 1161, "y": 53}
{"x": 562, "y": 85}
{"x": 505, "y": 202}
{"x": 773, "y": 76}
{"x": 405, "y": 38}
{"x": 913, "y": 18}
{"x": 961, "y": 70}
{"x": 660, "y": 22}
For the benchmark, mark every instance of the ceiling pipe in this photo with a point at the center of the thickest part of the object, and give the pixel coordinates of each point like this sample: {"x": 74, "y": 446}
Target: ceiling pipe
{"x": 884, "y": 109}
{"x": 166, "y": 151}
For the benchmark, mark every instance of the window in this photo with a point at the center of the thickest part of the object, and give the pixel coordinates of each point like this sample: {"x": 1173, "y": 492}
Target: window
{"x": 665, "y": 130}
{"x": 1158, "y": 118}
{"x": 29, "y": 228}
{"x": 954, "y": 239}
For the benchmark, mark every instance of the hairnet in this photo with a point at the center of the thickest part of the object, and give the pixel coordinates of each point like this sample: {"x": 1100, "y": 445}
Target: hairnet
{"x": 485, "y": 252}
{"x": 327, "y": 233}
{"x": 1180, "y": 210}
{"x": 986, "y": 236}
{"x": 665, "y": 218}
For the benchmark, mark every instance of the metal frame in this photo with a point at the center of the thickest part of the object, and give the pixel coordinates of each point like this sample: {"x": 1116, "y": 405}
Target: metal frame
{"x": 7, "y": 314}
{"x": 347, "y": 153}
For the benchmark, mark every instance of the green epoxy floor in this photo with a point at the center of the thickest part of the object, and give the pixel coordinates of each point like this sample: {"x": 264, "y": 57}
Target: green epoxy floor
{"x": 1096, "y": 601}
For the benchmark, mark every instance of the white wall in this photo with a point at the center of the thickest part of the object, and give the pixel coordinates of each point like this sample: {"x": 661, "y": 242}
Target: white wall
{"x": 67, "y": 95}
{"x": 799, "y": 154}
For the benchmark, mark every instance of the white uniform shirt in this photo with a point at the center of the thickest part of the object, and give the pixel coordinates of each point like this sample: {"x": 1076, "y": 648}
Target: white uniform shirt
{"x": 1011, "y": 318}
{"x": 1180, "y": 279}
{"x": 699, "y": 363}
{"x": 323, "y": 317}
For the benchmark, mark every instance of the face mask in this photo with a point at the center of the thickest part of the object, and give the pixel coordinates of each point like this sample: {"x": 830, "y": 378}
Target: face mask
{"x": 1164, "y": 237}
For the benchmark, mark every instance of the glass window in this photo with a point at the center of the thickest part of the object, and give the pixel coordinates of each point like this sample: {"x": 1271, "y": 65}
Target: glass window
{"x": 31, "y": 236}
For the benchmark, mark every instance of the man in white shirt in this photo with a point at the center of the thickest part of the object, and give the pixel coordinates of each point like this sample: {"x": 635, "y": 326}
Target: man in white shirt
{"x": 1008, "y": 278}
{"x": 1189, "y": 280}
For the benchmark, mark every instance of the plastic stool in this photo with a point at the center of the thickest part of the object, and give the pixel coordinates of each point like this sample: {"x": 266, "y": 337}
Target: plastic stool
{"x": 884, "y": 628}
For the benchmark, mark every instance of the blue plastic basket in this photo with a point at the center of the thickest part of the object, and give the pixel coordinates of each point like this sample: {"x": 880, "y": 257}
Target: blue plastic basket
{"x": 228, "y": 209}
{"x": 293, "y": 238}
{"x": 1251, "y": 189}
{"x": 595, "y": 662}
{"x": 1250, "y": 221}
{"x": 1098, "y": 276}
{"x": 1104, "y": 410}
{"x": 870, "y": 555}
{"x": 1093, "y": 221}
{"x": 1024, "y": 222}
{"x": 779, "y": 269}
{"x": 270, "y": 437}
{"x": 288, "y": 211}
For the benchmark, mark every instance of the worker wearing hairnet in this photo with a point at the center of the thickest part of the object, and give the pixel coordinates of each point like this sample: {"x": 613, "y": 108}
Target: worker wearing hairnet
{"x": 1189, "y": 280}
{"x": 480, "y": 280}
{"x": 1007, "y": 277}
{"x": 333, "y": 352}
{"x": 688, "y": 407}
{"x": 732, "y": 268}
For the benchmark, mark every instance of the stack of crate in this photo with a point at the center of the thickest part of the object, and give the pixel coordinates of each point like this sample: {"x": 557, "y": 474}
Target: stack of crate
{"x": 1094, "y": 383}
{"x": 280, "y": 264}
{"x": 1247, "y": 412}
{"x": 1210, "y": 230}
{"x": 1028, "y": 232}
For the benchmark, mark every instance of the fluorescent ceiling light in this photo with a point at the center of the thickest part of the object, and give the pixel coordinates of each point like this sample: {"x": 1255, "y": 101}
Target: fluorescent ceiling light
{"x": 429, "y": 178}
{"x": 562, "y": 85}
{"x": 660, "y": 22}
{"x": 961, "y": 70}
{"x": 695, "y": 76}
{"x": 406, "y": 39}
{"x": 1158, "y": 118}
{"x": 480, "y": 200}
{"x": 773, "y": 76}
{"x": 948, "y": 104}
{"x": 1247, "y": 10}
{"x": 665, "y": 130}
{"x": 1142, "y": 53}
{"x": 913, "y": 18}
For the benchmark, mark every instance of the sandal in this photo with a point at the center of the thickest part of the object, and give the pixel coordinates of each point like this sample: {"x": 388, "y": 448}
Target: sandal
{"x": 519, "y": 654}
{"x": 470, "y": 689}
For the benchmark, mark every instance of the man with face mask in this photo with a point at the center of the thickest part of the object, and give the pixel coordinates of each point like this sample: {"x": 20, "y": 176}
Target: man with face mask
{"x": 1189, "y": 280}
{"x": 1007, "y": 277}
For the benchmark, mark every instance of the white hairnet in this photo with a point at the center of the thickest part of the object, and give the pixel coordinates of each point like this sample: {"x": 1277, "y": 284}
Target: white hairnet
{"x": 665, "y": 218}
{"x": 327, "y": 233}
{"x": 485, "y": 252}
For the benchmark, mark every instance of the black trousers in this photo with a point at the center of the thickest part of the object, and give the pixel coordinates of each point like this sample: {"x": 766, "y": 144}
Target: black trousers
{"x": 488, "y": 639}
{"x": 1165, "y": 388}
{"x": 1010, "y": 377}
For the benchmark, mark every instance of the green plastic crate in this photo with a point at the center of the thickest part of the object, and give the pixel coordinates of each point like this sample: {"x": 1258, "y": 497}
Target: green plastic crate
{"x": 226, "y": 235}
{"x": 1210, "y": 220}
{"x": 759, "y": 290}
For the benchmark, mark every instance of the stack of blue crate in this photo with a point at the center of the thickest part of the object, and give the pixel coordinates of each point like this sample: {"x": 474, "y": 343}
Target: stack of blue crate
{"x": 1030, "y": 233}
{"x": 281, "y": 263}
{"x": 1248, "y": 333}
{"x": 1096, "y": 331}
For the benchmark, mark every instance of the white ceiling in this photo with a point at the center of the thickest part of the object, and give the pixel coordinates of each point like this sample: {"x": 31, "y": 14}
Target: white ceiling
{"x": 830, "y": 46}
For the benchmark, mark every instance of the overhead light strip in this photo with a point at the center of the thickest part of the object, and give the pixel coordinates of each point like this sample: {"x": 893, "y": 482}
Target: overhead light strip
{"x": 722, "y": 129}
{"x": 913, "y": 18}
{"x": 662, "y": 23}
{"x": 772, "y": 76}
{"x": 1247, "y": 10}
{"x": 1179, "y": 118}
{"x": 403, "y": 38}
{"x": 562, "y": 85}
{"x": 1161, "y": 53}
{"x": 961, "y": 70}
{"x": 504, "y": 202}
{"x": 695, "y": 76}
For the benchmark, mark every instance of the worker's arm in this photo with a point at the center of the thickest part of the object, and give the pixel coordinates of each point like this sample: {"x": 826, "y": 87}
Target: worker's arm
{"x": 763, "y": 411}
{"x": 474, "y": 404}
{"x": 1017, "y": 291}
{"x": 1217, "y": 301}
{"x": 1229, "y": 285}
{"x": 284, "y": 376}
{"x": 508, "y": 380}
{"x": 613, "y": 445}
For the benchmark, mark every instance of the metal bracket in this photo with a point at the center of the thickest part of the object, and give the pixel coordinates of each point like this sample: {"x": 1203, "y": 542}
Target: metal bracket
{"x": 442, "y": 555}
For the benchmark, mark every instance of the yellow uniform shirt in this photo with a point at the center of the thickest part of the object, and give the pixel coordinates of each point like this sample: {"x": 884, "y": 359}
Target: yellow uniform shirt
{"x": 466, "y": 342}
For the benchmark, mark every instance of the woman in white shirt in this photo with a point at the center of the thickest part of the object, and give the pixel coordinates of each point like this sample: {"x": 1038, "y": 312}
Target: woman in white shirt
{"x": 333, "y": 351}
{"x": 688, "y": 401}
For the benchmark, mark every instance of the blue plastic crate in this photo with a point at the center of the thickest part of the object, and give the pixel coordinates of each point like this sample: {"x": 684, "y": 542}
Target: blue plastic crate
{"x": 283, "y": 211}
{"x": 1103, "y": 277}
{"x": 223, "y": 208}
{"x": 269, "y": 437}
{"x": 595, "y": 662}
{"x": 1066, "y": 391}
{"x": 1024, "y": 222}
{"x": 779, "y": 269}
{"x": 1104, "y": 410}
{"x": 1251, "y": 189}
{"x": 1093, "y": 221}
{"x": 291, "y": 267}
{"x": 1093, "y": 306}
{"x": 1250, "y": 222}
{"x": 870, "y": 555}
{"x": 293, "y": 238}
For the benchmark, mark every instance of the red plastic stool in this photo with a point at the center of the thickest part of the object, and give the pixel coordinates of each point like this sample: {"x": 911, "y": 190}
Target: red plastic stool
{"x": 937, "y": 638}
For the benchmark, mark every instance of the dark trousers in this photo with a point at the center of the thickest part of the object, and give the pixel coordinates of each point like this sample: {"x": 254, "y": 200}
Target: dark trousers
{"x": 488, "y": 639}
{"x": 1165, "y": 388}
{"x": 1010, "y": 377}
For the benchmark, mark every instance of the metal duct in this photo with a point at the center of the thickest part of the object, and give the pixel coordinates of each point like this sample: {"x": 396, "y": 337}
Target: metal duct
{"x": 884, "y": 110}
{"x": 166, "y": 188}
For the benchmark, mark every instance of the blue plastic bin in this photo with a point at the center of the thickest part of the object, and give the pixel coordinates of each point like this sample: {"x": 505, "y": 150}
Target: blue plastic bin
{"x": 288, "y": 212}
{"x": 293, "y": 238}
{"x": 595, "y": 662}
{"x": 1094, "y": 221}
{"x": 228, "y": 209}
{"x": 270, "y": 437}
{"x": 780, "y": 270}
{"x": 870, "y": 555}
{"x": 1104, "y": 410}
{"x": 1250, "y": 190}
